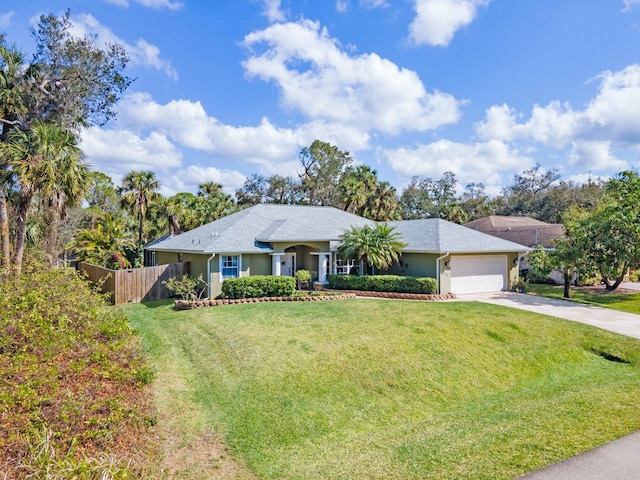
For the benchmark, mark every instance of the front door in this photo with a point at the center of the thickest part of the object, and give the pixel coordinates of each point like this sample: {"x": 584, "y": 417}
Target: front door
{"x": 288, "y": 265}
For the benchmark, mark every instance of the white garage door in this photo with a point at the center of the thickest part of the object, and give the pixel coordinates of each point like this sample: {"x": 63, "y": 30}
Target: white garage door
{"x": 478, "y": 273}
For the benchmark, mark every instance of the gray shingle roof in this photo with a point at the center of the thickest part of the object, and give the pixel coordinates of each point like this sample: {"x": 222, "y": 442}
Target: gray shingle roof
{"x": 435, "y": 235}
{"x": 252, "y": 229}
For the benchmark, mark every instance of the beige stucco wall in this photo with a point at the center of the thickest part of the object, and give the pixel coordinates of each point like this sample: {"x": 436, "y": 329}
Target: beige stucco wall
{"x": 513, "y": 269}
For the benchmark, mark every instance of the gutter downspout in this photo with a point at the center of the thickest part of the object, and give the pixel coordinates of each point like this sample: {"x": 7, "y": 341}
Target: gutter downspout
{"x": 438, "y": 269}
{"x": 209, "y": 274}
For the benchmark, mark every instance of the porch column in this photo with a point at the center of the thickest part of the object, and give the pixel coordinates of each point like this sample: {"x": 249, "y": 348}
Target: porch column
{"x": 323, "y": 262}
{"x": 276, "y": 265}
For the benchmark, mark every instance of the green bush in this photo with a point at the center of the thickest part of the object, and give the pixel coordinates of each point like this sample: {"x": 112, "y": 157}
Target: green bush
{"x": 72, "y": 376}
{"x": 258, "y": 286}
{"x": 384, "y": 283}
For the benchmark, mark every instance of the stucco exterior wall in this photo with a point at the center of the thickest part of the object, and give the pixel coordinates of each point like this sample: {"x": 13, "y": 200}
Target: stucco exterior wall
{"x": 513, "y": 269}
{"x": 165, "y": 258}
{"x": 257, "y": 264}
{"x": 414, "y": 265}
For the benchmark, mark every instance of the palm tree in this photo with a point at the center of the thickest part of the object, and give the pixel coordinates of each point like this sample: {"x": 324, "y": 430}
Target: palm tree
{"x": 100, "y": 245}
{"x": 377, "y": 245}
{"x": 138, "y": 190}
{"x": 356, "y": 187}
{"x": 43, "y": 161}
{"x": 384, "y": 203}
{"x": 12, "y": 106}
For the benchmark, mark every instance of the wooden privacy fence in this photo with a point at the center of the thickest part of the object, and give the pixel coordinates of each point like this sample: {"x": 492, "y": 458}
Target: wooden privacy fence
{"x": 135, "y": 284}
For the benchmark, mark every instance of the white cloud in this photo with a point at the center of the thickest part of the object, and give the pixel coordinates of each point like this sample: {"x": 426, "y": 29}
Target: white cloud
{"x": 324, "y": 82}
{"x": 157, "y": 4}
{"x": 272, "y": 11}
{"x": 437, "y": 21}
{"x": 479, "y": 162}
{"x": 585, "y": 178}
{"x": 151, "y": 136}
{"x": 266, "y": 145}
{"x": 553, "y": 125}
{"x": 611, "y": 116}
{"x": 188, "y": 179}
{"x": 628, "y": 4}
{"x": 115, "y": 152}
{"x": 5, "y": 19}
{"x": 142, "y": 53}
{"x": 595, "y": 156}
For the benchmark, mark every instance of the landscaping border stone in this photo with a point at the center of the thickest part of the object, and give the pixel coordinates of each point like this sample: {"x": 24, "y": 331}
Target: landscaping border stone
{"x": 190, "y": 304}
{"x": 401, "y": 296}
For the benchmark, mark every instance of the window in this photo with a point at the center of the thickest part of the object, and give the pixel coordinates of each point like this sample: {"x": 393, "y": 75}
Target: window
{"x": 344, "y": 267}
{"x": 229, "y": 266}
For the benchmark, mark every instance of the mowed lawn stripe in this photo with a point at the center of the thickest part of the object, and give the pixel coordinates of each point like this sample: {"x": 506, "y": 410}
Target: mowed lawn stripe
{"x": 392, "y": 389}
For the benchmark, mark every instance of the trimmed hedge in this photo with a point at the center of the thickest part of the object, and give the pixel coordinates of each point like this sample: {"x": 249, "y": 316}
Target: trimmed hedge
{"x": 384, "y": 283}
{"x": 258, "y": 286}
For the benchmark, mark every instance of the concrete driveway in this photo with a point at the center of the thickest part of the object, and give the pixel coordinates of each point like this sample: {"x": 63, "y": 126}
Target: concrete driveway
{"x": 616, "y": 460}
{"x": 605, "y": 318}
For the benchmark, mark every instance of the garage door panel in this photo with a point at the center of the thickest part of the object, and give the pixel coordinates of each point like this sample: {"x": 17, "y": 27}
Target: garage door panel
{"x": 478, "y": 273}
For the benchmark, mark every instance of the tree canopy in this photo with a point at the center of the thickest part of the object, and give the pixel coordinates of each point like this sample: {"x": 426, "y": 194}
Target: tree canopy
{"x": 376, "y": 245}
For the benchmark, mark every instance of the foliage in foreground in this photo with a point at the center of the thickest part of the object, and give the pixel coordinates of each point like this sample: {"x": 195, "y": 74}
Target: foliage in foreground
{"x": 389, "y": 389}
{"x": 72, "y": 383}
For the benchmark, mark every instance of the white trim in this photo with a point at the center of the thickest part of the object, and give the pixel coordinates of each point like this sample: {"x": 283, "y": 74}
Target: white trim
{"x": 220, "y": 257}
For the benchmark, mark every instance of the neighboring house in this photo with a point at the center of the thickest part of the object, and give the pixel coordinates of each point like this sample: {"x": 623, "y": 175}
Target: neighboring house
{"x": 523, "y": 230}
{"x": 269, "y": 239}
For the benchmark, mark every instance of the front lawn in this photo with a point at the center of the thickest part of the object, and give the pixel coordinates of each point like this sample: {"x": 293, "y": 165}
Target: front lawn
{"x": 625, "y": 302}
{"x": 384, "y": 389}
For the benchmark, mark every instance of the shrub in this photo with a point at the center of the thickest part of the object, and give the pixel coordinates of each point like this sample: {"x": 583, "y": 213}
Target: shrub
{"x": 186, "y": 287}
{"x": 384, "y": 283}
{"x": 533, "y": 276}
{"x": 258, "y": 286}
{"x": 72, "y": 376}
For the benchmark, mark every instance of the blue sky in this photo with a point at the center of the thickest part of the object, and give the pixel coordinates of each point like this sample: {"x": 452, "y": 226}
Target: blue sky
{"x": 483, "y": 88}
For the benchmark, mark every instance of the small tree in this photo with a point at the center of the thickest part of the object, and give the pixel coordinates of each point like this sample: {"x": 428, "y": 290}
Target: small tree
{"x": 570, "y": 254}
{"x": 378, "y": 245}
{"x": 186, "y": 287}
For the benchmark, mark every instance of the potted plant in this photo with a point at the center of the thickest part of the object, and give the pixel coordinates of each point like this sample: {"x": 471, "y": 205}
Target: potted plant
{"x": 302, "y": 279}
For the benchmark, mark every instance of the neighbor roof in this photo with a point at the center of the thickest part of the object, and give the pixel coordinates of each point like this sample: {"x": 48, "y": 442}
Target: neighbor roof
{"x": 524, "y": 230}
{"x": 252, "y": 229}
{"x": 434, "y": 235}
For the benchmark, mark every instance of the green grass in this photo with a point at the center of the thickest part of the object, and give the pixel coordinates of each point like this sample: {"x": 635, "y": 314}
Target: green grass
{"x": 384, "y": 389}
{"x": 625, "y": 302}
